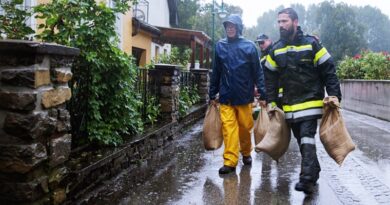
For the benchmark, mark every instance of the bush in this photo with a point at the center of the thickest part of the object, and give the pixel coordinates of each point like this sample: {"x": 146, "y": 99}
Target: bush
{"x": 188, "y": 96}
{"x": 178, "y": 56}
{"x": 368, "y": 66}
{"x": 104, "y": 76}
{"x": 13, "y": 21}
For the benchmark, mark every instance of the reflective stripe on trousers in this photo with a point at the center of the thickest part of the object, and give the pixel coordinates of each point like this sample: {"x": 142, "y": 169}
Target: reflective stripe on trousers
{"x": 237, "y": 122}
{"x": 304, "y": 132}
{"x": 303, "y": 113}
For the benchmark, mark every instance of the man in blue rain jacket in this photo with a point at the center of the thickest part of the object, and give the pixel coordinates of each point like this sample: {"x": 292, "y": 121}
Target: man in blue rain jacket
{"x": 236, "y": 70}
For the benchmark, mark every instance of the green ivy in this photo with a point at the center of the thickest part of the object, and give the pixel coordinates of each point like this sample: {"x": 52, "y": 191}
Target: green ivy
{"x": 13, "y": 21}
{"x": 368, "y": 65}
{"x": 104, "y": 76}
{"x": 178, "y": 56}
{"x": 153, "y": 110}
{"x": 188, "y": 97}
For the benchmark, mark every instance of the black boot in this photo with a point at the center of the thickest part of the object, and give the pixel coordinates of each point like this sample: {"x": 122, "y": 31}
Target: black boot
{"x": 226, "y": 169}
{"x": 247, "y": 160}
{"x": 310, "y": 170}
{"x": 306, "y": 186}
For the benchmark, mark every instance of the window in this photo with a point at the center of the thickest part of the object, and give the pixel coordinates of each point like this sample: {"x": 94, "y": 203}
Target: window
{"x": 156, "y": 53}
{"x": 27, "y": 5}
{"x": 118, "y": 23}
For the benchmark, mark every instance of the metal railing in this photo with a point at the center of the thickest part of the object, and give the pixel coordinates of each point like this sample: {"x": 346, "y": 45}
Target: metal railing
{"x": 148, "y": 87}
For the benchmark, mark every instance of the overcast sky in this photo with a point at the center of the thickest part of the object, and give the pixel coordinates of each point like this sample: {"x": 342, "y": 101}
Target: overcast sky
{"x": 255, "y": 8}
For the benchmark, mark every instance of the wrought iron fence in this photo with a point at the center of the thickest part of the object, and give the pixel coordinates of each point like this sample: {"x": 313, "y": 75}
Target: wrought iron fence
{"x": 147, "y": 86}
{"x": 189, "y": 79}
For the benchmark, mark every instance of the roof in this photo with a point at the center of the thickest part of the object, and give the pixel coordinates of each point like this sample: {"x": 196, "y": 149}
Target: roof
{"x": 145, "y": 27}
{"x": 178, "y": 36}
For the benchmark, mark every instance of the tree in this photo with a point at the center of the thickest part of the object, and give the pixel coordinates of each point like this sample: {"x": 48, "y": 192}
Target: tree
{"x": 340, "y": 32}
{"x": 187, "y": 10}
{"x": 377, "y": 26}
{"x": 267, "y": 24}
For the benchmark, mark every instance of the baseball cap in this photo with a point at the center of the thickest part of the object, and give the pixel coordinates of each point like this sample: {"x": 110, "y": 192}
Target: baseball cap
{"x": 261, "y": 37}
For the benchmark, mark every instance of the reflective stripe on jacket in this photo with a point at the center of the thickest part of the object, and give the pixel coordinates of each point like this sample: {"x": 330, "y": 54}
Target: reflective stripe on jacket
{"x": 304, "y": 68}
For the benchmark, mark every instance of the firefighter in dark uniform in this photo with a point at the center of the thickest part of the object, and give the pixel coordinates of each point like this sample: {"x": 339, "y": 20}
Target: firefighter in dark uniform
{"x": 304, "y": 68}
{"x": 265, "y": 45}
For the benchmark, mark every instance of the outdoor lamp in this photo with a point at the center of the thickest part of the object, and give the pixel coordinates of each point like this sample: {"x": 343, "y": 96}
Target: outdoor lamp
{"x": 222, "y": 13}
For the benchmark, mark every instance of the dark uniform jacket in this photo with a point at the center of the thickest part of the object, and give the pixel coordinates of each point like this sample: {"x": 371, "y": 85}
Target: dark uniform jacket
{"x": 304, "y": 68}
{"x": 236, "y": 70}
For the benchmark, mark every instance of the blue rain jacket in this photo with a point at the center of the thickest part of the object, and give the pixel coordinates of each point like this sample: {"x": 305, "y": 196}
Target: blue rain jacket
{"x": 236, "y": 69}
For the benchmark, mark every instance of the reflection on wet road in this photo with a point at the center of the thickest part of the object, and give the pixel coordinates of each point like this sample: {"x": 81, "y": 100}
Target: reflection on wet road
{"x": 184, "y": 173}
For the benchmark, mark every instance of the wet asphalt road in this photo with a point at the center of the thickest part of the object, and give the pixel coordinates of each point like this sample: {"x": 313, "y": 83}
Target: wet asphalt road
{"x": 184, "y": 173}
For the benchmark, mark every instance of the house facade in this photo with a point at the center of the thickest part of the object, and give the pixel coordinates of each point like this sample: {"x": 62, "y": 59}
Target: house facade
{"x": 136, "y": 29}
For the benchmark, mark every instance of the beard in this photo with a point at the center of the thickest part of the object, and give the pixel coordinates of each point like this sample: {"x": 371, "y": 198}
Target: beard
{"x": 286, "y": 33}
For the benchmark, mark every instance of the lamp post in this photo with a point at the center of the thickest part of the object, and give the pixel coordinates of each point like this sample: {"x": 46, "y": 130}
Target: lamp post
{"x": 222, "y": 13}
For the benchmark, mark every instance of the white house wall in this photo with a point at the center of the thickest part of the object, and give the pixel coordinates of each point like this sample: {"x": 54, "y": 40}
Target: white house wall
{"x": 161, "y": 50}
{"x": 158, "y": 13}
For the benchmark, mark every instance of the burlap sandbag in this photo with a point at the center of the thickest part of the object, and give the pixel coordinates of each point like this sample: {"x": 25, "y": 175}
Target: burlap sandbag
{"x": 333, "y": 133}
{"x": 212, "y": 129}
{"x": 277, "y": 139}
{"x": 261, "y": 125}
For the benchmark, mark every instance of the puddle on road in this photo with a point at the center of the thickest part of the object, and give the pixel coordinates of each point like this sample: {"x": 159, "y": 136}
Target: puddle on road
{"x": 187, "y": 174}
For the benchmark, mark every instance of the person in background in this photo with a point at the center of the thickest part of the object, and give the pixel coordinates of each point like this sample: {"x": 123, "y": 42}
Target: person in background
{"x": 303, "y": 68}
{"x": 236, "y": 70}
{"x": 265, "y": 44}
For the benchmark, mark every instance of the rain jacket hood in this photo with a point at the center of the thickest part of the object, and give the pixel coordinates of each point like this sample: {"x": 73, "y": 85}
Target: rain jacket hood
{"x": 236, "y": 70}
{"x": 236, "y": 20}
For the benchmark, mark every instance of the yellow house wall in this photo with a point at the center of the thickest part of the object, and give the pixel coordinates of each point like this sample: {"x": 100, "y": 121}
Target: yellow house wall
{"x": 40, "y": 21}
{"x": 127, "y": 39}
{"x": 143, "y": 40}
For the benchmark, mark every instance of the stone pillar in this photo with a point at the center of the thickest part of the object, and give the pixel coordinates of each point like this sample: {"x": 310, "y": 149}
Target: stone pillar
{"x": 34, "y": 123}
{"x": 169, "y": 91}
{"x": 202, "y": 79}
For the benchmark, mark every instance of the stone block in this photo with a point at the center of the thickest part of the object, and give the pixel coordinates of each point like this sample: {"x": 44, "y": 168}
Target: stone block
{"x": 57, "y": 176}
{"x": 14, "y": 100}
{"x": 63, "y": 123}
{"x": 25, "y": 77}
{"x": 63, "y": 75}
{"x": 54, "y": 97}
{"x": 29, "y": 126}
{"x": 22, "y": 192}
{"x": 58, "y": 196}
{"x": 24, "y": 59}
{"x": 60, "y": 61}
{"x": 42, "y": 77}
{"x": 167, "y": 105}
{"x": 60, "y": 149}
{"x": 21, "y": 158}
{"x": 18, "y": 77}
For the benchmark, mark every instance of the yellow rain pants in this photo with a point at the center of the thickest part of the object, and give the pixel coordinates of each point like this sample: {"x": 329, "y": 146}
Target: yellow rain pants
{"x": 237, "y": 123}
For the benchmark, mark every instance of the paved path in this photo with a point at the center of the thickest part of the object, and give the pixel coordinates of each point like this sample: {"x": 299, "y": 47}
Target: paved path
{"x": 186, "y": 174}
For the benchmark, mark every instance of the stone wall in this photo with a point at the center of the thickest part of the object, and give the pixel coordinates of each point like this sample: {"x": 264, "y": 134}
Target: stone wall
{"x": 169, "y": 90}
{"x": 89, "y": 168}
{"x": 34, "y": 123}
{"x": 370, "y": 97}
{"x": 35, "y": 141}
{"x": 203, "y": 83}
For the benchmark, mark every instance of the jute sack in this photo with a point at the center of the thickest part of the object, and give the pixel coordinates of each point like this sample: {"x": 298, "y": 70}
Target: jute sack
{"x": 333, "y": 133}
{"x": 212, "y": 129}
{"x": 277, "y": 139}
{"x": 261, "y": 125}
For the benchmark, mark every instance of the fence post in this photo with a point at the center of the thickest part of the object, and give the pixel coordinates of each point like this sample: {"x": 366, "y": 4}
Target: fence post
{"x": 169, "y": 91}
{"x": 202, "y": 82}
{"x": 34, "y": 122}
